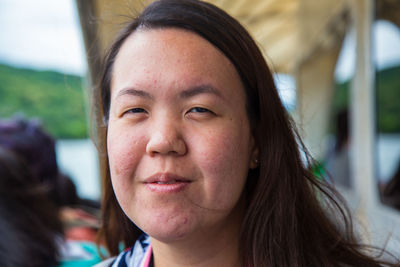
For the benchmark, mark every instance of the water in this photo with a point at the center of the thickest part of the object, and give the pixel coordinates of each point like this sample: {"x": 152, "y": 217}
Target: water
{"x": 78, "y": 159}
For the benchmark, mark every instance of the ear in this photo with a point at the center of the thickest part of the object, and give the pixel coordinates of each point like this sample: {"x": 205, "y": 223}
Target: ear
{"x": 254, "y": 155}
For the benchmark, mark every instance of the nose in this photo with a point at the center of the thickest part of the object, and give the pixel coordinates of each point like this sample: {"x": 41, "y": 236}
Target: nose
{"x": 166, "y": 139}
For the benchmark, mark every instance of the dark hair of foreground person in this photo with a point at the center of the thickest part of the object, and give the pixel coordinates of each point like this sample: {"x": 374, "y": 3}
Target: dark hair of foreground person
{"x": 29, "y": 223}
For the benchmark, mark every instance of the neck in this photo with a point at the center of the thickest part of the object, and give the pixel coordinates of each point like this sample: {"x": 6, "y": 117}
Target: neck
{"x": 217, "y": 247}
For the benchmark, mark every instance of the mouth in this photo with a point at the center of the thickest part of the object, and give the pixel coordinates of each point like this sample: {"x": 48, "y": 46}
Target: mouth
{"x": 166, "y": 183}
{"x": 166, "y": 178}
{"x": 170, "y": 182}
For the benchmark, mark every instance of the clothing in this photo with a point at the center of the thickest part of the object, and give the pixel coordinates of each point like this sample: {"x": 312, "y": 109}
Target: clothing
{"x": 140, "y": 255}
{"x": 106, "y": 263}
{"x": 78, "y": 254}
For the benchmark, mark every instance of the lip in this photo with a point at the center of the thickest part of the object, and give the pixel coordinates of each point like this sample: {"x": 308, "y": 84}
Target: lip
{"x": 166, "y": 183}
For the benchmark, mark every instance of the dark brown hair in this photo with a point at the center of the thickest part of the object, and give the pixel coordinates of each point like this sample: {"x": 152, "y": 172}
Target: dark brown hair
{"x": 286, "y": 221}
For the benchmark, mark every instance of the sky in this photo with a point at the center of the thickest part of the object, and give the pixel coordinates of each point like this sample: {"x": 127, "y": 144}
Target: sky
{"x": 45, "y": 34}
{"x": 42, "y": 34}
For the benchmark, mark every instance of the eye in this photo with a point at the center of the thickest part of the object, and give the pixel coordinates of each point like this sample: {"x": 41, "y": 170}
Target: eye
{"x": 200, "y": 113}
{"x": 136, "y": 110}
{"x": 135, "y": 113}
{"x": 200, "y": 110}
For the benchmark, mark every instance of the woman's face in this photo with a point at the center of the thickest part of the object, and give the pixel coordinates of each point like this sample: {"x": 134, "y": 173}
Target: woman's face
{"x": 179, "y": 141}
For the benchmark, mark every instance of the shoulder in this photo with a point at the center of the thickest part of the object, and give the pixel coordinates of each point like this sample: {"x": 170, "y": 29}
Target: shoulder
{"x": 131, "y": 257}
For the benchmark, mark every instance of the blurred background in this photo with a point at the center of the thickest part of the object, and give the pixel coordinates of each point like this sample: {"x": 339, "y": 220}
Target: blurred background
{"x": 42, "y": 75}
{"x": 336, "y": 64}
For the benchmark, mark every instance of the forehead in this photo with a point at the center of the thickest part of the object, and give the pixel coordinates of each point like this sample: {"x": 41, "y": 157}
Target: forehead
{"x": 154, "y": 54}
{"x": 168, "y": 40}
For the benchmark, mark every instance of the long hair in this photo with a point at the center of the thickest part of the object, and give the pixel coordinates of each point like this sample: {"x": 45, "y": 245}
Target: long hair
{"x": 285, "y": 223}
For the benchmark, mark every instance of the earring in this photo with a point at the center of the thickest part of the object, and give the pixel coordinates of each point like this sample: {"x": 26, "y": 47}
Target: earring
{"x": 256, "y": 162}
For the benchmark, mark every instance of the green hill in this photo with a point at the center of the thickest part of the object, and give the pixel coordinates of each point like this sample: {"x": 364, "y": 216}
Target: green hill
{"x": 387, "y": 85}
{"x": 55, "y": 98}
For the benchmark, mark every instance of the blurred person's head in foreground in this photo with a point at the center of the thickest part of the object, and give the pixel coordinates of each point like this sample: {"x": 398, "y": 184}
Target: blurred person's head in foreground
{"x": 29, "y": 223}
{"x": 27, "y": 139}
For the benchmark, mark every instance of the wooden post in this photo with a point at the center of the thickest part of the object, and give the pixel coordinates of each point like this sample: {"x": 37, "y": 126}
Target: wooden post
{"x": 363, "y": 109}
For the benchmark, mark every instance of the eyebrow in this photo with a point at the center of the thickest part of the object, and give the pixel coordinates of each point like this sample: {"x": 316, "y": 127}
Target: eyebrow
{"x": 134, "y": 92}
{"x": 201, "y": 89}
{"x": 188, "y": 93}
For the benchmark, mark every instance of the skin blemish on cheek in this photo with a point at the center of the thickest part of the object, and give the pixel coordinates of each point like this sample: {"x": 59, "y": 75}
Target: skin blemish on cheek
{"x": 117, "y": 171}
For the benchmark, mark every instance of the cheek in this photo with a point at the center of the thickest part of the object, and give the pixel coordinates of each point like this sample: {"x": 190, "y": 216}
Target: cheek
{"x": 224, "y": 163}
{"x": 124, "y": 155}
{"x": 227, "y": 148}
{"x": 216, "y": 153}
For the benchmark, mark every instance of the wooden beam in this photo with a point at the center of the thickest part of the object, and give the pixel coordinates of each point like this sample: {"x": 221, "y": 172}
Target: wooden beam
{"x": 363, "y": 109}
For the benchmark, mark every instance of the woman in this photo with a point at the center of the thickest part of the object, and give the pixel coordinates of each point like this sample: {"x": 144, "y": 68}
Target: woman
{"x": 204, "y": 163}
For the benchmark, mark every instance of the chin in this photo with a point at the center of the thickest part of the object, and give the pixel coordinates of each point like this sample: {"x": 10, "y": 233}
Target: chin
{"x": 167, "y": 238}
{"x": 169, "y": 231}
